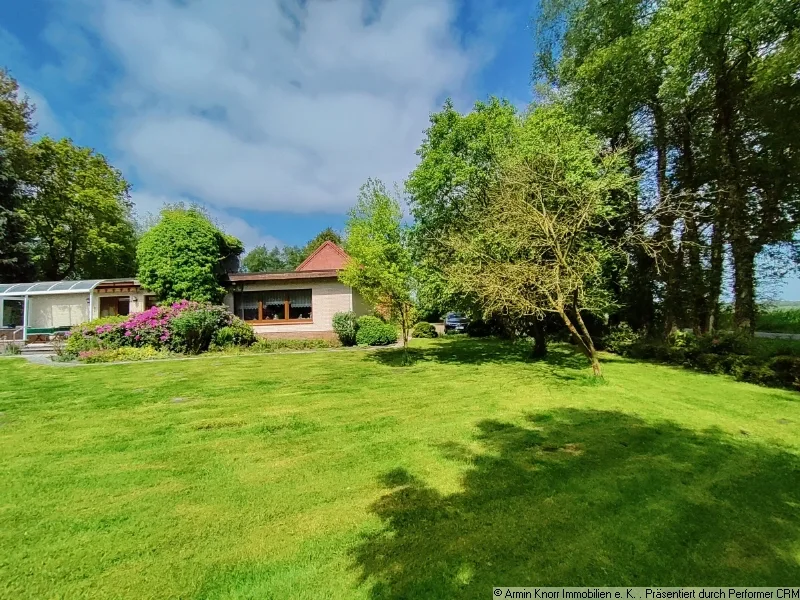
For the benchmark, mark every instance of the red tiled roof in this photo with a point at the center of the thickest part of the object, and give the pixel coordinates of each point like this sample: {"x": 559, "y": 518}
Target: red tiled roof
{"x": 327, "y": 256}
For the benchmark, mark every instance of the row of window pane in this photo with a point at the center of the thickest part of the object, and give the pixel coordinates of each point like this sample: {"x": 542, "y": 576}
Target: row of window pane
{"x": 273, "y": 305}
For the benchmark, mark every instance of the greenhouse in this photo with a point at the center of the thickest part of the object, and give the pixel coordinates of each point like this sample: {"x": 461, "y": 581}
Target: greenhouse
{"x": 45, "y": 308}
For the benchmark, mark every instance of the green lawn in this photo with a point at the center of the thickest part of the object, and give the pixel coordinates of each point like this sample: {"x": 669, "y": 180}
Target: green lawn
{"x": 345, "y": 475}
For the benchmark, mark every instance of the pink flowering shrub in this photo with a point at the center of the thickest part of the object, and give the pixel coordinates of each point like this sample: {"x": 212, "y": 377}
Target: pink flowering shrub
{"x": 152, "y": 327}
{"x": 184, "y": 326}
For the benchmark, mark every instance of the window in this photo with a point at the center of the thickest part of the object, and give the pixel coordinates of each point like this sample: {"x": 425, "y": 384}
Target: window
{"x": 282, "y": 306}
{"x": 113, "y": 306}
{"x": 12, "y": 313}
{"x": 149, "y": 302}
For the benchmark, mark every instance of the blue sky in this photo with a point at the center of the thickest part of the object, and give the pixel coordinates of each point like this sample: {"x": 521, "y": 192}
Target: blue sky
{"x": 271, "y": 113}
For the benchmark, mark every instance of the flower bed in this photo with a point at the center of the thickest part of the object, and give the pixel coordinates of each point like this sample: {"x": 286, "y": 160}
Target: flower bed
{"x": 182, "y": 327}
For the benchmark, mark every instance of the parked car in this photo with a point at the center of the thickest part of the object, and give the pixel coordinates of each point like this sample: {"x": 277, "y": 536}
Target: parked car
{"x": 455, "y": 323}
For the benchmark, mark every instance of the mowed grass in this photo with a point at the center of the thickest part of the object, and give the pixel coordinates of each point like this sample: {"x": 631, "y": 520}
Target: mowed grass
{"x": 346, "y": 475}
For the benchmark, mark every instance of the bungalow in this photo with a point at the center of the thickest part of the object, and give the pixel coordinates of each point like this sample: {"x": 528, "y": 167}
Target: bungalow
{"x": 300, "y": 303}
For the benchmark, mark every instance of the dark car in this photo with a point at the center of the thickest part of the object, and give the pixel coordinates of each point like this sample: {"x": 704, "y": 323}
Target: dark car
{"x": 455, "y": 323}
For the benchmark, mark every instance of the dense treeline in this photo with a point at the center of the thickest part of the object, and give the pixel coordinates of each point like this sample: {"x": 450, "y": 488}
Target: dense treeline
{"x": 704, "y": 95}
{"x": 287, "y": 258}
{"x": 697, "y": 101}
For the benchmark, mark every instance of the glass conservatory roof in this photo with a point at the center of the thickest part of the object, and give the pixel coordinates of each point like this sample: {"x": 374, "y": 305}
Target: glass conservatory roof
{"x": 48, "y": 287}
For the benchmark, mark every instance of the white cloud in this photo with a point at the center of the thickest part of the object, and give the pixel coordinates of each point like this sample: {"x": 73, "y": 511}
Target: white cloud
{"x": 149, "y": 205}
{"x": 276, "y": 105}
{"x": 45, "y": 119}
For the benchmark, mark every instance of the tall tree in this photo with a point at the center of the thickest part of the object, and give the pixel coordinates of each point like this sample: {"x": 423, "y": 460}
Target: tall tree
{"x": 78, "y": 213}
{"x": 708, "y": 82}
{"x": 15, "y": 127}
{"x": 382, "y": 268}
{"x": 537, "y": 247}
{"x": 185, "y": 256}
{"x": 458, "y": 162}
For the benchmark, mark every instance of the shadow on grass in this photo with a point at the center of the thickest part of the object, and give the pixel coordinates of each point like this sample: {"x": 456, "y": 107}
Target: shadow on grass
{"x": 594, "y": 498}
{"x": 464, "y": 350}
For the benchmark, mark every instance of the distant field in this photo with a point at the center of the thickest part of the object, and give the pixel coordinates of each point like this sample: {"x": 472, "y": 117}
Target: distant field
{"x": 779, "y": 320}
{"x": 345, "y": 475}
{"x": 781, "y": 317}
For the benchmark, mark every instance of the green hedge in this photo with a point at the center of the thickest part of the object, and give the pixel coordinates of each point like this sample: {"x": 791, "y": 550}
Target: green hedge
{"x": 372, "y": 331}
{"x": 762, "y": 362}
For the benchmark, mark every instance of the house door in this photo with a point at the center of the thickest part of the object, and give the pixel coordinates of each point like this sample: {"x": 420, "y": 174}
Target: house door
{"x": 115, "y": 305}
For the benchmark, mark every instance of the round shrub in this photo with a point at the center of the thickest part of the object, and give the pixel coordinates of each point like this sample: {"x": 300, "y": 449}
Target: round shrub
{"x": 620, "y": 339}
{"x": 238, "y": 333}
{"x": 424, "y": 330}
{"x": 372, "y": 331}
{"x": 193, "y": 330}
{"x": 345, "y": 326}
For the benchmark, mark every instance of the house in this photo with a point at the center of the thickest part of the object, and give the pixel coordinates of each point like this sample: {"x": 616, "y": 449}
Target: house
{"x": 300, "y": 303}
{"x": 296, "y": 304}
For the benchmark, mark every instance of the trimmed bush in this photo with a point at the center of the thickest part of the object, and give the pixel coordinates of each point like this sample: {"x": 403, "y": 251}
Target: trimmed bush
{"x": 424, "y": 330}
{"x": 345, "y": 325}
{"x": 755, "y": 361}
{"x": 374, "y": 332}
{"x": 238, "y": 333}
{"x": 194, "y": 329}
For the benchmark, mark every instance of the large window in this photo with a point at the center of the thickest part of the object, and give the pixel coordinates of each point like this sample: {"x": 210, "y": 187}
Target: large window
{"x": 282, "y": 306}
{"x": 113, "y": 306}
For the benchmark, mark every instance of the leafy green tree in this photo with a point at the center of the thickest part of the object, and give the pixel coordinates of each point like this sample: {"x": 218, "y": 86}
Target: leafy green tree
{"x": 15, "y": 126}
{"x": 382, "y": 268}
{"x": 262, "y": 260}
{"x": 537, "y": 247}
{"x": 185, "y": 256}
{"x": 78, "y": 213}
{"x": 458, "y": 162}
{"x": 701, "y": 92}
{"x": 326, "y": 235}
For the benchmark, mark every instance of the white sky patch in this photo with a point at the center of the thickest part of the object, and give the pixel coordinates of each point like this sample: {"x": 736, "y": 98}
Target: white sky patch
{"x": 272, "y": 105}
{"x": 149, "y": 205}
{"x": 46, "y": 121}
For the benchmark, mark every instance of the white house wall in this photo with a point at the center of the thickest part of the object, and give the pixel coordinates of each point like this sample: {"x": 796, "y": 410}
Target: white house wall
{"x": 58, "y": 310}
{"x": 327, "y": 298}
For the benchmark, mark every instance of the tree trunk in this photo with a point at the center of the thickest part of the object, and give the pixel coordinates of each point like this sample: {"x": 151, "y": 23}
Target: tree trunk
{"x": 744, "y": 308}
{"x": 671, "y": 293}
{"x": 715, "y": 272}
{"x": 697, "y": 298}
{"x": 694, "y": 283}
{"x": 539, "y": 340}
{"x": 586, "y": 345}
{"x": 727, "y": 93}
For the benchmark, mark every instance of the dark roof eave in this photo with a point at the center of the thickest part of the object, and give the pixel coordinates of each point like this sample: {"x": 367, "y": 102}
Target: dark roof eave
{"x": 289, "y": 276}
